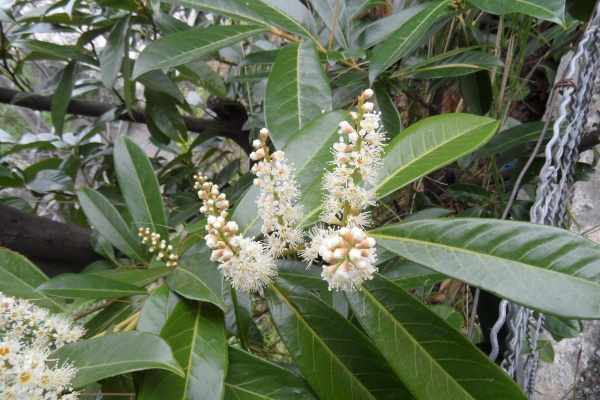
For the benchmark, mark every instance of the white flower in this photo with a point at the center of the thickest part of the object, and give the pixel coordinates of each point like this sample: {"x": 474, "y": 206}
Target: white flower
{"x": 277, "y": 201}
{"x": 351, "y": 257}
{"x": 244, "y": 262}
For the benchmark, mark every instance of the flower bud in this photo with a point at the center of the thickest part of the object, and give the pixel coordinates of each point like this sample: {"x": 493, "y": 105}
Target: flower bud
{"x": 367, "y": 94}
{"x": 367, "y": 107}
{"x": 264, "y": 133}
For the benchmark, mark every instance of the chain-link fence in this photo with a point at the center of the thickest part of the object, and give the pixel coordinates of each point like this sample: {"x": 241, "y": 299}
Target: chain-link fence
{"x": 551, "y": 201}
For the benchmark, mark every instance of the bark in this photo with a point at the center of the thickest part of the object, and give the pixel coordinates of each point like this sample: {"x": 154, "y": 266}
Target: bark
{"x": 229, "y": 122}
{"x": 53, "y": 246}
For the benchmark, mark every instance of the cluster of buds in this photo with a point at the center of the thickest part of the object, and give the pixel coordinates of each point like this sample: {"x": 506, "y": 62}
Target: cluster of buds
{"x": 357, "y": 158}
{"x": 243, "y": 261}
{"x": 351, "y": 256}
{"x": 278, "y": 197}
{"x": 164, "y": 250}
{"x": 28, "y": 335}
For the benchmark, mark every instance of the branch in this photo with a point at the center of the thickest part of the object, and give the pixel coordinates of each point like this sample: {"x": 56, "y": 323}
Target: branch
{"x": 229, "y": 122}
{"x": 53, "y": 246}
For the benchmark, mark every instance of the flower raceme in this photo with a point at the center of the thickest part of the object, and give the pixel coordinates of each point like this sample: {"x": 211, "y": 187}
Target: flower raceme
{"x": 27, "y": 336}
{"x": 278, "y": 197}
{"x": 348, "y": 253}
{"x": 243, "y": 261}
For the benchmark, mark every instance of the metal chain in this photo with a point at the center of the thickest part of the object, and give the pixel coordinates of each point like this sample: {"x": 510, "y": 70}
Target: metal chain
{"x": 551, "y": 202}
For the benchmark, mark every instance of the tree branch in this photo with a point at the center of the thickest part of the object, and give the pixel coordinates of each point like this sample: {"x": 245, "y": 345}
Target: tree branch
{"x": 53, "y": 246}
{"x": 229, "y": 122}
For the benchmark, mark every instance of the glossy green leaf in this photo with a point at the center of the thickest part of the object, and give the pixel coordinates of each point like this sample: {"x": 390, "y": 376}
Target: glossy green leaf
{"x": 198, "y": 278}
{"x": 135, "y": 276}
{"x": 409, "y": 275}
{"x": 562, "y": 327}
{"x": 165, "y": 116}
{"x": 115, "y": 354}
{"x": 405, "y": 38}
{"x": 291, "y": 15}
{"x": 309, "y": 149}
{"x": 252, "y": 378}
{"x": 464, "y": 63}
{"x": 140, "y": 188}
{"x": 112, "y": 315}
{"x": 297, "y": 91}
{"x": 160, "y": 82}
{"x": 196, "y": 333}
{"x": 51, "y": 181}
{"x": 62, "y": 96}
{"x": 238, "y": 317}
{"x": 470, "y": 193}
{"x": 379, "y": 30}
{"x": 550, "y": 10}
{"x": 19, "y": 278}
{"x": 518, "y": 261}
{"x": 335, "y": 17}
{"x": 180, "y": 48}
{"x": 429, "y": 145}
{"x": 476, "y": 91}
{"x": 511, "y": 138}
{"x": 107, "y": 221}
{"x": 156, "y": 310}
{"x": 297, "y": 273}
{"x": 336, "y": 359}
{"x": 88, "y": 286}
{"x": 209, "y": 79}
{"x": 111, "y": 56}
{"x": 56, "y": 50}
{"x": 434, "y": 360}
{"x": 390, "y": 117}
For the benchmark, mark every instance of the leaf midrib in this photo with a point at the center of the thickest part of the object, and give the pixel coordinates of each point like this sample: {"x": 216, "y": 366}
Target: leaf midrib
{"x": 414, "y": 341}
{"x": 333, "y": 356}
{"x": 474, "y": 253}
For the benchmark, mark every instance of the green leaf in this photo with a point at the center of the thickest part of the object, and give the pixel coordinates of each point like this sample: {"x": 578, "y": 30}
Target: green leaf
{"x": 429, "y": 145}
{"x": 115, "y": 354}
{"x": 62, "y": 96}
{"x": 432, "y": 359}
{"x": 196, "y": 333}
{"x": 198, "y": 278}
{"x": 290, "y": 15}
{"x": 336, "y": 359}
{"x": 88, "y": 286}
{"x": 550, "y": 10}
{"x": 561, "y": 327}
{"x": 113, "y": 314}
{"x": 297, "y": 91}
{"x": 334, "y": 16}
{"x": 135, "y": 276}
{"x": 156, "y": 310}
{"x": 470, "y": 193}
{"x": 379, "y": 30}
{"x": 409, "y": 275}
{"x": 252, "y": 378}
{"x": 297, "y": 273}
{"x": 50, "y": 181}
{"x": 208, "y": 78}
{"x": 390, "y": 117}
{"x": 165, "y": 116}
{"x": 56, "y": 50}
{"x": 140, "y": 187}
{"x": 309, "y": 149}
{"x": 19, "y": 278}
{"x": 476, "y": 91}
{"x": 541, "y": 267}
{"x": 111, "y": 56}
{"x": 405, "y": 38}
{"x": 160, "y": 82}
{"x": 107, "y": 221}
{"x": 511, "y": 138}
{"x": 466, "y": 62}
{"x": 180, "y": 48}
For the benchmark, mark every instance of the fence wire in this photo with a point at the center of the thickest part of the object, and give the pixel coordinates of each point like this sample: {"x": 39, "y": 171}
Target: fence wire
{"x": 551, "y": 201}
